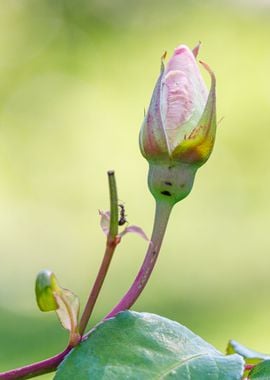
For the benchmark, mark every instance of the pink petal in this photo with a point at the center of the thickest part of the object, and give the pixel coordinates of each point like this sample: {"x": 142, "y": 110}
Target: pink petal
{"x": 104, "y": 221}
{"x": 183, "y": 60}
{"x": 177, "y": 102}
{"x": 183, "y": 96}
{"x": 136, "y": 230}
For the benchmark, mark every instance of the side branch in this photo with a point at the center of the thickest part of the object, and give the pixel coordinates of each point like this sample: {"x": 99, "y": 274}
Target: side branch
{"x": 112, "y": 241}
{"x": 51, "y": 364}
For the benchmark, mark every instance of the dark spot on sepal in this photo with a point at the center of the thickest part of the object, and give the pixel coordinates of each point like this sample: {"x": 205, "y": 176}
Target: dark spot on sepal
{"x": 167, "y": 193}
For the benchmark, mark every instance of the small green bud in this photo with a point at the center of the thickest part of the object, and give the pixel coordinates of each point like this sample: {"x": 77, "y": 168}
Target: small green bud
{"x": 46, "y": 286}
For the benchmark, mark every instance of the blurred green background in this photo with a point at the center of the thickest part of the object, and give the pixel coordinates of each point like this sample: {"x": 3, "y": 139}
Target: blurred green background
{"x": 75, "y": 78}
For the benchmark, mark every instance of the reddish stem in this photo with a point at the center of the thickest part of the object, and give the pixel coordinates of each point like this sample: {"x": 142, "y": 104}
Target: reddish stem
{"x": 112, "y": 240}
{"x": 163, "y": 210}
{"x": 249, "y": 367}
{"x": 110, "y": 248}
{"x": 36, "y": 369}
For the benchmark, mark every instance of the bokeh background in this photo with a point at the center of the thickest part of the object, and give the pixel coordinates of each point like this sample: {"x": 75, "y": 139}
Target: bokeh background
{"x": 75, "y": 77}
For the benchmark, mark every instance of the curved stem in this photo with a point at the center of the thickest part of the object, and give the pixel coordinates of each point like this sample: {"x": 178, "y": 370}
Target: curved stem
{"x": 36, "y": 369}
{"x": 163, "y": 210}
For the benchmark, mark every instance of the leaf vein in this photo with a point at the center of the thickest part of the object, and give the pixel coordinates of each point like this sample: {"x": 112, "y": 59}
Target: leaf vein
{"x": 183, "y": 362}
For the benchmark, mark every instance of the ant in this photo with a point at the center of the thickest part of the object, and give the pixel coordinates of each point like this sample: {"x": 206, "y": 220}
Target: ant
{"x": 122, "y": 219}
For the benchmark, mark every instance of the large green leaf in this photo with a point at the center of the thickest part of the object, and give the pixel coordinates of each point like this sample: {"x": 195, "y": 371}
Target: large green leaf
{"x": 261, "y": 371}
{"x": 142, "y": 346}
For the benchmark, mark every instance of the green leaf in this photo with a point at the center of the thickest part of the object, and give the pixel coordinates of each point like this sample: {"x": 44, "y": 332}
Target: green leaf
{"x": 146, "y": 346}
{"x": 261, "y": 371}
{"x": 250, "y": 356}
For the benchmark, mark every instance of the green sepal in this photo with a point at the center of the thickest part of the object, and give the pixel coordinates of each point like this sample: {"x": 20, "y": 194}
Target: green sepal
{"x": 170, "y": 181}
{"x": 197, "y": 147}
{"x": 152, "y": 139}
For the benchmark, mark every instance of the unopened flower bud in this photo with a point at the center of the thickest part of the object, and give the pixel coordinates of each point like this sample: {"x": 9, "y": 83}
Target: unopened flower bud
{"x": 178, "y": 132}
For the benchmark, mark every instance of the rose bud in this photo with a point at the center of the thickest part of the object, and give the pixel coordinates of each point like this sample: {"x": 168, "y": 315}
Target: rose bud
{"x": 178, "y": 132}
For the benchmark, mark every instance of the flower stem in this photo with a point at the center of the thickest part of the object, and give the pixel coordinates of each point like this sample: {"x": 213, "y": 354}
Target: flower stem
{"x": 163, "y": 210}
{"x": 36, "y": 369}
{"x": 112, "y": 241}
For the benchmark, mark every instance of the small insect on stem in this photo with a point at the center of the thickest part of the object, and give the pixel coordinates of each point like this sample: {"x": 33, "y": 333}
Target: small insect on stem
{"x": 122, "y": 219}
